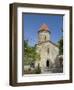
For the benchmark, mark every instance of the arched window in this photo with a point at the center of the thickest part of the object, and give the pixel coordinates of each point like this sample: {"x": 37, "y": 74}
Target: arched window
{"x": 45, "y": 38}
{"x": 48, "y": 50}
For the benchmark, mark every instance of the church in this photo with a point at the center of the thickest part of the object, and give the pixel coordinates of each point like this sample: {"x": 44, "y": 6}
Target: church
{"x": 47, "y": 50}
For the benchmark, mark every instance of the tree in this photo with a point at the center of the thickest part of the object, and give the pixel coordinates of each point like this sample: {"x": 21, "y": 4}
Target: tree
{"x": 30, "y": 54}
{"x": 60, "y": 44}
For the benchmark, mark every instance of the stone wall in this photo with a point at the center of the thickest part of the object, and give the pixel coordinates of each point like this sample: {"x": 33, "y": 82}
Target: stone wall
{"x": 42, "y": 49}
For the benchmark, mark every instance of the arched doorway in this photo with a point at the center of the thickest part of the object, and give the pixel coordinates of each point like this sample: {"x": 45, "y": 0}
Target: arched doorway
{"x": 47, "y": 63}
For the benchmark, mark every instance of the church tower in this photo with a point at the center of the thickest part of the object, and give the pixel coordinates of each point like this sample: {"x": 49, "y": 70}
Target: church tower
{"x": 43, "y": 34}
{"x": 47, "y": 50}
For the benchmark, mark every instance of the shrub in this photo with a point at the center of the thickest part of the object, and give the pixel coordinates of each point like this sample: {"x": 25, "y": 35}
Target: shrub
{"x": 38, "y": 70}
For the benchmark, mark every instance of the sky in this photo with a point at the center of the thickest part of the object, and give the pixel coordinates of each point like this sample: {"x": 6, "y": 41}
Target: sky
{"x": 32, "y": 23}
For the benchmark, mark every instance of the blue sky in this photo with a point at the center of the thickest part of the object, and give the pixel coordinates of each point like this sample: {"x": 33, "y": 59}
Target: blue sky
{"x": 32, "y": 23}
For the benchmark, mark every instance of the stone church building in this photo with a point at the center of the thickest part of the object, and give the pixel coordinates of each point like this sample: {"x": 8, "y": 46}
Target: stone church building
{"x": 47, "y": 50}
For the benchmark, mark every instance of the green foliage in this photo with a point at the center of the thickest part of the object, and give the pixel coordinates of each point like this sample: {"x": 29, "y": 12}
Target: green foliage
{"x": 36, "y": 70}
{"x": 60, "y": 46}
{"x": 30, "y": 54}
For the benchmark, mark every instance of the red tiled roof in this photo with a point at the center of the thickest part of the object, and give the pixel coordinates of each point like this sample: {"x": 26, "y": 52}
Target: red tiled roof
{"x": 44, "y": 27}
